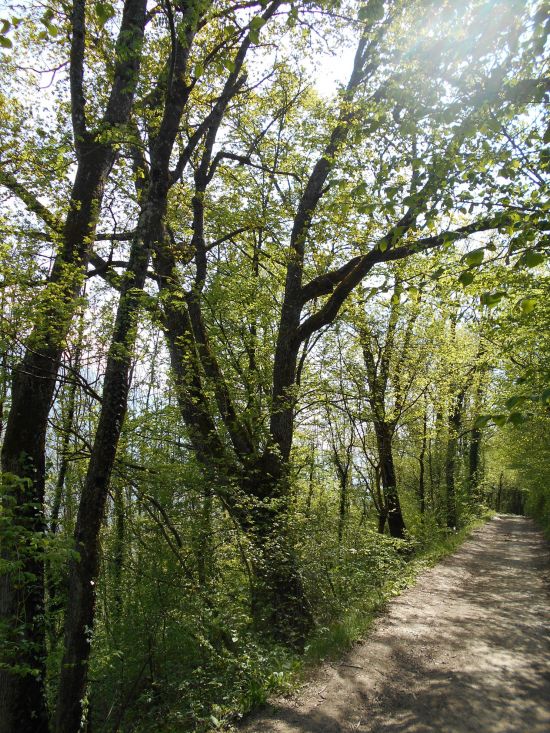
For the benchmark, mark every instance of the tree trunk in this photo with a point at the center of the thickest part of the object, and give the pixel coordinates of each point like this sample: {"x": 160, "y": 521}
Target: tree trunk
{"x": 473, "y": 461}
{"x": 450, "y": 463}
{"x": 498, "y": 502}
{"x": 396, "y": 524}
{"x": 279, "y": 605}
{"x": 342, "y": 508}
{"x": 455, "y": 419}
{"x": 22, "y": 702}
{"x": 83, "y": 572}
{"x": 421, "y": 482}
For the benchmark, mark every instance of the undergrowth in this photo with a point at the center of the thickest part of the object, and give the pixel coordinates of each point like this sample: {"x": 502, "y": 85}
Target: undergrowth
{"x": 330, "y": 641}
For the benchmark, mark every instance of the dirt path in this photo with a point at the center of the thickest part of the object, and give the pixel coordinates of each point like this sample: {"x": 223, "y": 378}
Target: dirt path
{"x": 466, "y": 649}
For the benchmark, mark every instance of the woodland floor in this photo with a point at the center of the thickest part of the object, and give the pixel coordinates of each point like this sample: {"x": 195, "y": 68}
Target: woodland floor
{"x": 466, "y": 649}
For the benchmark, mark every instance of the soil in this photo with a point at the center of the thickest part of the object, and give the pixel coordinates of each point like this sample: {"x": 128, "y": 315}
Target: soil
{"x": 467, "y": 649}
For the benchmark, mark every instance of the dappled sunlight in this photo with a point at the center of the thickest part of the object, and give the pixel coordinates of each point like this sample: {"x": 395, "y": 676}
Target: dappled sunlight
{"x": 466, "y": 649}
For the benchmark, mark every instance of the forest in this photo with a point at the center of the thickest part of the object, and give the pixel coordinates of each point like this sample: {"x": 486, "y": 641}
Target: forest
{"x": 274, "y": 328}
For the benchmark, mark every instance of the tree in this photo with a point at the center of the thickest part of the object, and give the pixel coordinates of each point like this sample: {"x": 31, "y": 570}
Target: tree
{"x": 23, "y": 450}
{"x": 221, "y": 200}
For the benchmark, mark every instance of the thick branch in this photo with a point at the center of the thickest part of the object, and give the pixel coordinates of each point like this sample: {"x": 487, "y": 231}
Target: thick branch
{"x": 76, "y": 74}
{"x": 127, "y": 62}
{"x": 351, "y": 274}
{"x": 30, "y": 200}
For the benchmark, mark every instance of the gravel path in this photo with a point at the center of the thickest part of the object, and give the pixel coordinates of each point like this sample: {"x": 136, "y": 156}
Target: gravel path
{"x": 467, "y": 649}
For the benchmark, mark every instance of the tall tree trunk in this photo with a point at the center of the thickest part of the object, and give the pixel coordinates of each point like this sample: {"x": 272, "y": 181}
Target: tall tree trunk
{"x": 498, "y": 502}
{"x": 396, "y": 523}
{"x": 83, "y": 572}
{"x": 280, "y": 607}
{"x": 23, "y": 455}
{"x": 22, "y": 702}
{"x": 450, "y": 463}
{"x": 474, "y": 451}
{"x": 421, "y": 459}
{"x": 311, "y": 480}
{"x": 474, "y": 454}
{"x": 153, "y": 197}
{"x": 342, "y": 507}
{"x": 454, "y": 422}
{"x": 279, "y": 604}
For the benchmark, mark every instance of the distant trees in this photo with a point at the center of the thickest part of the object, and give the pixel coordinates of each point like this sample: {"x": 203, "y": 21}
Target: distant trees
{"x": 225, "y": 219}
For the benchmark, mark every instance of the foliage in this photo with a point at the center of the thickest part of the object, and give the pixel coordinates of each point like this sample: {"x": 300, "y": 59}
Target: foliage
{"x": 287, "y": 340}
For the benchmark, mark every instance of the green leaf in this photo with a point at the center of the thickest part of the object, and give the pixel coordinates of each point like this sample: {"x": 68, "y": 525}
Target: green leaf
{"x": 466, "y": 278}
{"x": 482, "y": 421}
{"x": 499, "y": 420}
{"x": 513, "y": 401}
{"x": 229, "y": 65}
{"x": 545, "y": 396}
{"x": 371, "y": 11}
{"x": 516, "y": 418}
{"x": 47, "y": 17}
{"x": 257, "y": 23}
{"x": 527, "y": 304}
{"x": 532, "y": 259}
{"x": 254, "y": 36}
{"x": 5, "y": 42}
{"x": 492, "y": 299}
{"x": 475, "y": 257}
{"x": 6, "y": 25}
{"x": 104, "y": 12}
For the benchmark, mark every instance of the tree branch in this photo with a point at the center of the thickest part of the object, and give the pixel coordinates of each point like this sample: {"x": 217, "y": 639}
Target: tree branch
{"x": 30, "y": 200}
{"x": 342, "y": 281}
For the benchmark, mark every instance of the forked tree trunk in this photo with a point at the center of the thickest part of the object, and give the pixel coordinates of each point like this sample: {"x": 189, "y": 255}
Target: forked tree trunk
{"x": 22, "y": 701}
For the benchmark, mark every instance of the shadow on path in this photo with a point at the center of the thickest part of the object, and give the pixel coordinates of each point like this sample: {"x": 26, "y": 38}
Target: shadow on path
{"x": 466, "y": 649}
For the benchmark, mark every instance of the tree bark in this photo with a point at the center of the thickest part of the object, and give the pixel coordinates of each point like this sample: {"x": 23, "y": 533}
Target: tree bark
{"x": 396, "y": 524}
{"x": 279, "y": 604}
{"x": 83, "y": 572}
{"x": 22, "y": 702}
{"x": 421, "y": 459}
{"x": 455, "y": 418}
